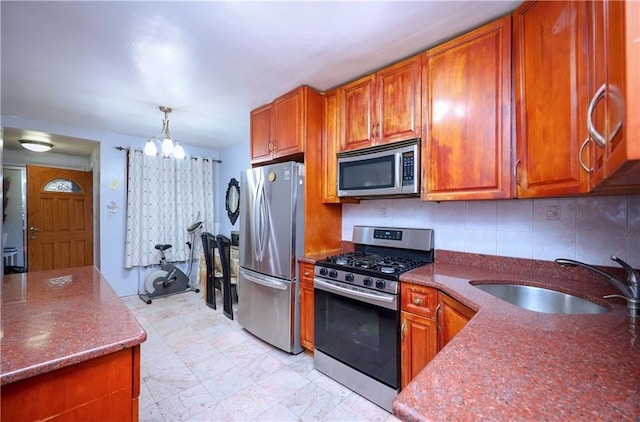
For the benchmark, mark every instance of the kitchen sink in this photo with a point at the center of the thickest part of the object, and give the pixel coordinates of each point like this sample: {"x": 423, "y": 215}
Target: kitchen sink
{"x": 543, "y": 300}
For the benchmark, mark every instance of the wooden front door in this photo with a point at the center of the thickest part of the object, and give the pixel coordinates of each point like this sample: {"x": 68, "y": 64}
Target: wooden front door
{"x": 59, "y": 218}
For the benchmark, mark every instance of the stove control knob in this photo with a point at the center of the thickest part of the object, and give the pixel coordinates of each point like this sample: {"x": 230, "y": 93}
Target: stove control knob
{"x": 380, "y": 284}
{"x": 349, "y": 277}
{"x": 323, "y": 271}
{"x": 333, "y": 273}
{"x": 368, "y": 281}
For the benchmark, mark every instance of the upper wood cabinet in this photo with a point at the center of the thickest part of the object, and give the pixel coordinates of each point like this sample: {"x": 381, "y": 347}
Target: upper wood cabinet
{"x": 330, "y": 137}
{"x": 382, "y": 107}
{"x": 467, "y": 150}
{"x": 551, "y": 97}
{"x": 613, "y": 128}
{"x": 280, "y": 129}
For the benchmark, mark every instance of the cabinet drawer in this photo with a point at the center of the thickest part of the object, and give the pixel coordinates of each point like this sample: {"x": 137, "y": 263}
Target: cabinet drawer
{"x": 420, "y": 300}
{"x": 306, "y": 273}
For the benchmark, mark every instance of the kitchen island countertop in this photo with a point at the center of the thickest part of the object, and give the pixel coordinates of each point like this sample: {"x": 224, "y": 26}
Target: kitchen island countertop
{"x": 58, "y": 318}
{"x": 509, "y": 363}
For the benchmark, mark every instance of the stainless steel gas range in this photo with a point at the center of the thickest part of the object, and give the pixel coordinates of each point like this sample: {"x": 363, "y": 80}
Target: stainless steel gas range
{"x": 357, "y": 309}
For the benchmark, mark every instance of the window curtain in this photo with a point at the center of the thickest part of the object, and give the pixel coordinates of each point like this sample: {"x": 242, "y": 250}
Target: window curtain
{"x": 164, "y": 197}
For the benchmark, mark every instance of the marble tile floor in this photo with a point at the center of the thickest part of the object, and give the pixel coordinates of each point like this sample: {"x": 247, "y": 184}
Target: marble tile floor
{"x": 198, "y": 365}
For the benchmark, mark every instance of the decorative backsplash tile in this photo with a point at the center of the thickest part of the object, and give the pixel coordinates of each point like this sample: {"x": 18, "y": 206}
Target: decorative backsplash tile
{"x": 589, "y": 229}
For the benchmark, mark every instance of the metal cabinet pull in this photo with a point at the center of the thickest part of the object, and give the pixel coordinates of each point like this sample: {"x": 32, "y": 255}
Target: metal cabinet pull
{"x": 515, "y": 171}
{"x": 402, "y": 329}
{"x": 584, "y": 166}
{"x": 593, "y": 132}
{"x": 417, "y": 301}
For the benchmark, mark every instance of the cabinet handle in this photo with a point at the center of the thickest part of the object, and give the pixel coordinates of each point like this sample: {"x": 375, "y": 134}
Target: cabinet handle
{"x": 593, "y": 132}
{"x": 300, "y": 296}
{"x": 306, "y": 273}
{"x": 402, "y": 328}
{"x": 417, "y": 301}
{"x": 515, "y": 172}
{"x": 584, "y": 166}
{"x": 438, "y": 316}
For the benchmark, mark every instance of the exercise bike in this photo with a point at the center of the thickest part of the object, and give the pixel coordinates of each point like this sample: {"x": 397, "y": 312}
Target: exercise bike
{"x": 169, "y": 279}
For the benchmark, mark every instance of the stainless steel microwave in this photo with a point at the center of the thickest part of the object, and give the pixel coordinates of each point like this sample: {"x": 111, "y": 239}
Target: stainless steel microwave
{"x": 383, "y": 170}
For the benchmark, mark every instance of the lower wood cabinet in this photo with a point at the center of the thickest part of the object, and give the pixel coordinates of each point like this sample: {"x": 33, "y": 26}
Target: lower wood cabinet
{"x": 418, "y": 344}
{"x": 104, "y": 388}
{"x": 306, "y": 306}
{"x": 453, "y": 316}
{"x": 429, "y": 320}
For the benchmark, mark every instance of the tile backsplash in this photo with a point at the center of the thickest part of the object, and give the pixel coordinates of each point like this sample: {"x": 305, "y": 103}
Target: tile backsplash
{"x": 588, "y": 229}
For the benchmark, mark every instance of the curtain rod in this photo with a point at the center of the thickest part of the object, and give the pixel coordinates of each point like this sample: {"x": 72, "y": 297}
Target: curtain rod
{"x": 120, "y": 148}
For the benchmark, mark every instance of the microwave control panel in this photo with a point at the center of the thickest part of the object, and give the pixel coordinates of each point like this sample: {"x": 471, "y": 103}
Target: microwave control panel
{"x": 408, "y": 168}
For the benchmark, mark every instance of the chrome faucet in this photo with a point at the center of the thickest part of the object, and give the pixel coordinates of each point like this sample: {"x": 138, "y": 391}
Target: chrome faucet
{"x": 630, "y": 290}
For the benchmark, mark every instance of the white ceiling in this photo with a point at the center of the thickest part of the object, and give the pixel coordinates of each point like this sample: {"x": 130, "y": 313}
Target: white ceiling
{"x": 107, "y": 66}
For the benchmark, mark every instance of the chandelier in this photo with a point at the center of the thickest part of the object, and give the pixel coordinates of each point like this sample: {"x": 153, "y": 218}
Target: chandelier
{"x": 169, "y": 147}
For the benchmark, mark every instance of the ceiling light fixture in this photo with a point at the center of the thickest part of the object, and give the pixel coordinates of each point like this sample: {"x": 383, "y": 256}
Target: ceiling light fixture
{"x": 169, "y": 147}
{"x": 36, "y": 146}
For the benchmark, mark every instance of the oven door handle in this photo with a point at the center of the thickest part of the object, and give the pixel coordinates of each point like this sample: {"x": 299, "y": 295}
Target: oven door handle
{"x": 379, "y": 299}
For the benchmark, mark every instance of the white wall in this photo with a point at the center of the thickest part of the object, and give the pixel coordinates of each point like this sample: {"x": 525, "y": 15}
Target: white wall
{"x": 234, "y": 159}
{"x": 589, "y": 229}
{"x": 111, "y": 179}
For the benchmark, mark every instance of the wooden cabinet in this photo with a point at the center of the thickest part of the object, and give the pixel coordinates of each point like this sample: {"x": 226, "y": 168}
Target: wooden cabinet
{"x": 418, "y": 344}
{"x": 614, "y": 48}
{"x": 382, "y": 107}
{"x": 418, "y": 329}
{"x": 429, "y": 319}
{"x": 330, "y": 139}
{"x": 106, "y": 388}
{"x": 306, "y": 306}
{"x": 467, "y": 96}
{"x": 280, "y": 129}
{"x": 452, "y": 317}
{"x": 551, "y": 97}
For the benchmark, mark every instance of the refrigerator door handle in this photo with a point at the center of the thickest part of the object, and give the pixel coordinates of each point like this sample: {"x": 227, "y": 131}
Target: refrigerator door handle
{"x": 266, "y": 281}
{"x": 262, "y": 222}
{"x": 257, "y": 221}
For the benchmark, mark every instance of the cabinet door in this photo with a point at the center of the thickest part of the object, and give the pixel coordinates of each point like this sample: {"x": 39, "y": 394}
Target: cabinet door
{"x": 452, "y": 317}
{"x": 306, "y": 306}
{"x": 551, "y": 93}
{"x": 288, "y": 126}
{"x": 261, "y": 141}
{"x": 418, "y": 344}
{"x": 468, "y": 135}
{"x": 330, "y": 138}
{"x": 397, "y": 102}
{"x": 356, "y": 124}
{"x": 610, "y": 114}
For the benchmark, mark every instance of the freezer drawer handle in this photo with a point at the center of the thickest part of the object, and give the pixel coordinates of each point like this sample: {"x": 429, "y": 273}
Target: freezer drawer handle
{"x": 267, "y": 282}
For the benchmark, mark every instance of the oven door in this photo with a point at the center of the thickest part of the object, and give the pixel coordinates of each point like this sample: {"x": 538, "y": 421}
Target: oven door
{"x": 358, "y": 327}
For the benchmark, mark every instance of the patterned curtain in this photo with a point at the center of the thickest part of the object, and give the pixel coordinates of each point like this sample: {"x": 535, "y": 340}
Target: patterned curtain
{"x": 164, "y": 197}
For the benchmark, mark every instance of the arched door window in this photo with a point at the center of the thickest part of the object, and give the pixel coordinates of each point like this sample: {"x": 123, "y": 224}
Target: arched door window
{"x": 62, "y": 185}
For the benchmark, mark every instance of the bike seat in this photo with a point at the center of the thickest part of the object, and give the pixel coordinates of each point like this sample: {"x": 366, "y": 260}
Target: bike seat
{"x": 161, "y": 247}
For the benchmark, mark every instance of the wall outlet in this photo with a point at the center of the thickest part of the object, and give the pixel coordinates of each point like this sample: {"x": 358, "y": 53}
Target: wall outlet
{"x": 554, "y": 212}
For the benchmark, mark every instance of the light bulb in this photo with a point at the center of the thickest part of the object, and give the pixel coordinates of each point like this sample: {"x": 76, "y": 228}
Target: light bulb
{"x": 150, "y": 148}
{"x": 167, "y": 147}
{"x": 178, "y": 151}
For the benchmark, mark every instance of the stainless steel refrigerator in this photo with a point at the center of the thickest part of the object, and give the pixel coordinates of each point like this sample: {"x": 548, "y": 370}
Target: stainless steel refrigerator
{"x": 271, "y": 237}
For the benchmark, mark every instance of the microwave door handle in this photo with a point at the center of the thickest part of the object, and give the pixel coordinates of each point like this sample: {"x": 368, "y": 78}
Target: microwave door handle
{"x": 399, "y": 171}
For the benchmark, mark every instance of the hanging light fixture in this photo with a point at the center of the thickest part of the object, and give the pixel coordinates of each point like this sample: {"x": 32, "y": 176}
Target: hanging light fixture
{"x": 169, "y": 147}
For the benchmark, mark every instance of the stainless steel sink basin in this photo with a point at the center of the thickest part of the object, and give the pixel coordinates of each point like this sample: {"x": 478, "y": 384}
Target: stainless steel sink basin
{"x": 539, "y": 299}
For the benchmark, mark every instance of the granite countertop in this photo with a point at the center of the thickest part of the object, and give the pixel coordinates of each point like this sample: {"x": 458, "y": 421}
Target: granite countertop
{"x": 52, "y": 319}
{"x": 509, "y": 363}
